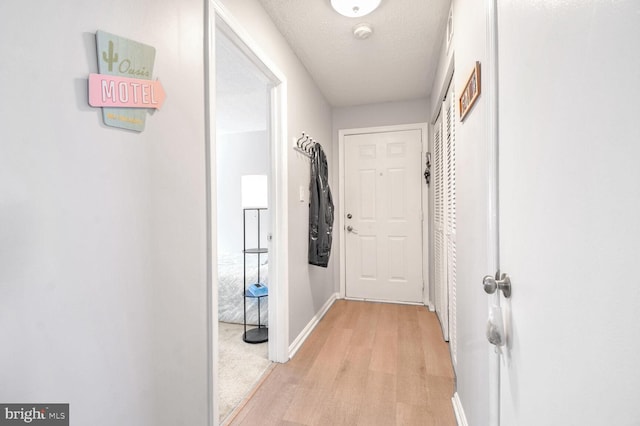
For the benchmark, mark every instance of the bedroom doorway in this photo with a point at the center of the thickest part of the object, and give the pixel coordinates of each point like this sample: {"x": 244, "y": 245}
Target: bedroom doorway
{"x": 242, "y": 175}
{"x": 245, "y": 128}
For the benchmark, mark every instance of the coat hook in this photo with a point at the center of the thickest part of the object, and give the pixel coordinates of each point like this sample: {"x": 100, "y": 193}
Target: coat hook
{"x": 299, "y": 141}
{"x": 309, "y": 147}
{"x": 305, "y": 143}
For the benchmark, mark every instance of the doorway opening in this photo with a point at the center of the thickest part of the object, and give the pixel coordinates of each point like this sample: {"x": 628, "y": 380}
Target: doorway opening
{"x": 246, "y": 120}
{"x": 242, "y": 175}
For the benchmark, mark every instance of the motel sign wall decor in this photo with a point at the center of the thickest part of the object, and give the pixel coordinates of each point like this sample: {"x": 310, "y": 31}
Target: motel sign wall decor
{"x": 124, "y": 88}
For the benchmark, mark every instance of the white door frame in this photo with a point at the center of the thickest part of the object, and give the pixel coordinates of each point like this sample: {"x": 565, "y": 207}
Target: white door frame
{"x": 423, "y": 127}
{"x": 217, "y": 17}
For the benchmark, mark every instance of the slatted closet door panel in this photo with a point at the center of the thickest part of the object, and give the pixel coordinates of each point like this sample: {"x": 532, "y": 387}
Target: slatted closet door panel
{"x": 440, "y": 252}
{"x": 451, "y": 218}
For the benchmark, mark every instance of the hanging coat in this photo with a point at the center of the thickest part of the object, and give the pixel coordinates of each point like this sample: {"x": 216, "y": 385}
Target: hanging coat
{"x": 320, "y": 210}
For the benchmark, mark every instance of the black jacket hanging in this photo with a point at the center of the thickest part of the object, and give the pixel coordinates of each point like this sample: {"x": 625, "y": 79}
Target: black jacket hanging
{"x": 320, "y": 210}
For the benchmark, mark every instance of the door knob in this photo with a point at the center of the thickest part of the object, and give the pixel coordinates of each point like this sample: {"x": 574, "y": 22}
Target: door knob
{"x": 350, "y": 229}
{"x": 492, "y": 284}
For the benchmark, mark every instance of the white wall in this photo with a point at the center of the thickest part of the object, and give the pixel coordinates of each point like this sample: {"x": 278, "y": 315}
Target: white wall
{"x": 103, "y": 235}
{"x": 472, "y": 211}
{"x": 237, "y": 154}
{"x": 382, "y": 114}
{"x": 443, "y": 75}
{"x": 309, "y": 286}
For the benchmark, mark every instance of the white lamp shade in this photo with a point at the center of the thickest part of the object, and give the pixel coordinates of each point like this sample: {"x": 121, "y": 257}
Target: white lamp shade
{"x": 254, "y": 191}
{"x": 355, "y": 8}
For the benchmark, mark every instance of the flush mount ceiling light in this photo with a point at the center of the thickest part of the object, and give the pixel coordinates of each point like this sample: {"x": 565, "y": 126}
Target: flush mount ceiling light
{"x": 355, "y": 8}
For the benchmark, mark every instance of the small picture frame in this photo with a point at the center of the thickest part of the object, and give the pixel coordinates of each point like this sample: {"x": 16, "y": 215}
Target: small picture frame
{"x": 470, "y": 92}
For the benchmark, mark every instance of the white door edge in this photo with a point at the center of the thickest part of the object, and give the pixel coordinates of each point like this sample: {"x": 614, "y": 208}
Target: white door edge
{"x": 219, "y": 18}
{"x": 342, "y": 133}
{"x": 493, "y": 261}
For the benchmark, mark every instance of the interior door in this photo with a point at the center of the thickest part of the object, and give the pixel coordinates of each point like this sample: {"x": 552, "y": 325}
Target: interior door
{"x": 439, "y": 239}
{"x": 569, "y": 212}
{"x": 383, "y": 247}
{"x": 439, "y": 232}
{"x": 445, "y": 219}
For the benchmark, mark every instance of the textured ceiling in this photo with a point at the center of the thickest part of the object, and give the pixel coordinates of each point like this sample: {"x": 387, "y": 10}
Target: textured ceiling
{"x": 241, "y": 90}
{"x": 397, "y": 62}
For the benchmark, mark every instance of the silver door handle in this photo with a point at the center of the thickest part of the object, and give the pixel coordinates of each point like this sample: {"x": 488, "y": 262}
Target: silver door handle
{"x": 350, "y": 229}
{"x": 492, "y": 284}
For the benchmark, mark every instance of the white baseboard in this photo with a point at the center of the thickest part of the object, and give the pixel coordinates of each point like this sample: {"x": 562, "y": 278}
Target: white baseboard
{"x": 458, "y": 410}
{"x": 304, "y": 334}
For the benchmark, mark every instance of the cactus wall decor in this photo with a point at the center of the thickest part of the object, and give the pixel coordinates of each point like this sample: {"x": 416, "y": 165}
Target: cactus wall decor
{"x": 121, "y": 57}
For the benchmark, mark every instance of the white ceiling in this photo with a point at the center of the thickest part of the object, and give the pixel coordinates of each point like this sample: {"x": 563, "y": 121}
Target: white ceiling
{"x": 397, "y": 62}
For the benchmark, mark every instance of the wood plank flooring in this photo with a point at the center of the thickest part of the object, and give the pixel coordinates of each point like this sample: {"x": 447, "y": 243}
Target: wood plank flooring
{"x": 364, "y": 364}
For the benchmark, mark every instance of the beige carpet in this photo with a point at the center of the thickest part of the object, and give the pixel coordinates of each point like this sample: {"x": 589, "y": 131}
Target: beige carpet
{"x": 240, "y": 367}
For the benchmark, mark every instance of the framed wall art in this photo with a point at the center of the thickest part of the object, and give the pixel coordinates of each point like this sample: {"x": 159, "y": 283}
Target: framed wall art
{"x": 470, "y": 92}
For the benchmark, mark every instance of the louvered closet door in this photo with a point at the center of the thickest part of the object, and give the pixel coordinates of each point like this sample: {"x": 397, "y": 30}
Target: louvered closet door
{"x": 450, "y": 156}
{"x": 440, "y": 241}
{"x": 445, "y": 220}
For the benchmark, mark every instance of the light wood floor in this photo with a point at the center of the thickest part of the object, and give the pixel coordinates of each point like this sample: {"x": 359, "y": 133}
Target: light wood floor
{"x": 364, "y": 364}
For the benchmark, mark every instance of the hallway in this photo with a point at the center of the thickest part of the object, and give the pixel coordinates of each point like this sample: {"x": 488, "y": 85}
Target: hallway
{"x": 364, "y": 364}
{"x": 109, "y": 236}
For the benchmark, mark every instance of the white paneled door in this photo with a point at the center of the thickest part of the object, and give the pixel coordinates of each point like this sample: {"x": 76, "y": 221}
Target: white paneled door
{"x": 569, "y": 213}
{"x": 382, "y": 216}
